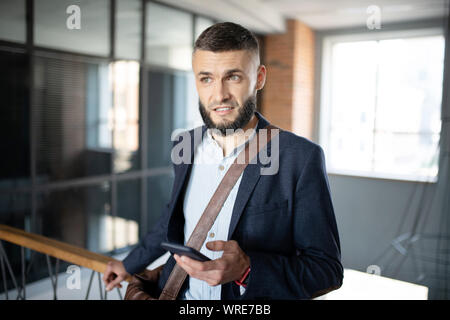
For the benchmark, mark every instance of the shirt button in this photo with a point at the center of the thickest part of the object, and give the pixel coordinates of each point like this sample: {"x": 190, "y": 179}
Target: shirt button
{"x": 221, "y": 167}
{"x": 211, "y": 235}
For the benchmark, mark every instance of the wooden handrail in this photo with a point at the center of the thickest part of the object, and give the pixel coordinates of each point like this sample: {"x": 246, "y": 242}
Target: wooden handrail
{"x": 55, "y": 248}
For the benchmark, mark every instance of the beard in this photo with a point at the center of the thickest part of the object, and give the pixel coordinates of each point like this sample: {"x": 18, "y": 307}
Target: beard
{"x": 243, "y": 117}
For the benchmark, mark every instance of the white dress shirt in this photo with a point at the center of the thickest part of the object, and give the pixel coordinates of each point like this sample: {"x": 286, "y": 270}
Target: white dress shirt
{"x": 208, "y": 169}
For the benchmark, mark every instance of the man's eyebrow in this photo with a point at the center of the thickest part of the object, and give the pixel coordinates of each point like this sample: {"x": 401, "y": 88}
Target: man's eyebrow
{"x": 206, "y": 73}
{"x": 235, "y": 70}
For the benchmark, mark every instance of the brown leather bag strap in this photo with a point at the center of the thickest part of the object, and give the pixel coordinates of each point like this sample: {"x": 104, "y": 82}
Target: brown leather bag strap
{"x": 198, "y": 236}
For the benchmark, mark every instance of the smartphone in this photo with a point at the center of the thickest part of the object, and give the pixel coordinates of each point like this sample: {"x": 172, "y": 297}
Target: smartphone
{"x": 182, "y": 250}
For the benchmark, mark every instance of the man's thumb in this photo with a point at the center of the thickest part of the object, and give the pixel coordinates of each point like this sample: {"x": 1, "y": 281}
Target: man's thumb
{"x": 113, "y": 283}
{"x": 215, "y": 245}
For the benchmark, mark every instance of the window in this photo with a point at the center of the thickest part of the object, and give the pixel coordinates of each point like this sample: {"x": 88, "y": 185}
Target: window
{"x": 124, "y": 115}
{"x": 128, "y": 29}
{"x": 12, "y": 20}
{"x": 171, "y": 106}
{"x": 76, "y": 215}
{"x": 51, "y": 28}
{"x": 201, "y": 24}
{"x": 169, "y": 37}
{"x": 381, "y": 103}
{"x": 14, "y": 120}
{"x": 70, "y": 102}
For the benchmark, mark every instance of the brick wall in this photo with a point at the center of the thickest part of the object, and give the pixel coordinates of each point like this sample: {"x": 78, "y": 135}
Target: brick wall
{"x": 287, "y": 99}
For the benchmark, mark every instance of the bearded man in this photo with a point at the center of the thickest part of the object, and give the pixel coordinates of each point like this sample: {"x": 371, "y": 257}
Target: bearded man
{"x": 275, "y": 237}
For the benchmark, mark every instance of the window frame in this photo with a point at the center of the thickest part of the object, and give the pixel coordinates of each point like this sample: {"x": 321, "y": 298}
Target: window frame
{"x": 325, "y": 94}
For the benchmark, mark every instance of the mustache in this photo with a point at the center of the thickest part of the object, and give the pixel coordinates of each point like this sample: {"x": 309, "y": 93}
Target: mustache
{"x": 230, "y": 103}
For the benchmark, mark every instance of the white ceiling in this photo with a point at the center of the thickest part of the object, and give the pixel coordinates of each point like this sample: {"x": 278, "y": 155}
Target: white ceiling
{"x": 268, "y": 16}
{"x": 252, "y": 14}
{"x": 327, "y": 14}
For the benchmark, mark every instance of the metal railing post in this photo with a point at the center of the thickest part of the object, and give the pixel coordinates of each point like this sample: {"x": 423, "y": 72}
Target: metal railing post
{"x": 11, "y": 274}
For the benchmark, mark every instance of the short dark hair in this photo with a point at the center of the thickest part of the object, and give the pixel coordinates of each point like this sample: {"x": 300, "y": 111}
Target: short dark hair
{"x": 226, "y": 36}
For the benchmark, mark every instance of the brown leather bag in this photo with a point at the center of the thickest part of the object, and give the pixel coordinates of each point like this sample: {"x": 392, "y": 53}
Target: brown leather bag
{"x": 144, "y": 285}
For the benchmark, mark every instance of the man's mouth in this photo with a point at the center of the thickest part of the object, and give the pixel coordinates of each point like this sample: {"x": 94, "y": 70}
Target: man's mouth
{"x": 222, "y": 110}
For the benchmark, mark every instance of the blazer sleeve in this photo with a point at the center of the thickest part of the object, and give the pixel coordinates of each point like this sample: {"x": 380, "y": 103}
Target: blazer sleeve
{"x": 315, "y": 268}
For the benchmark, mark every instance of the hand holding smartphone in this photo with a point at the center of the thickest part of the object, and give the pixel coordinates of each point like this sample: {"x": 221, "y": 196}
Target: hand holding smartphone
{"x": 182, "y": 250}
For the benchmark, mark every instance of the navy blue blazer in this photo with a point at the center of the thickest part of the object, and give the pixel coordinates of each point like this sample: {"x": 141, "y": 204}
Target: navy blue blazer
{"x": 284, "y": 222}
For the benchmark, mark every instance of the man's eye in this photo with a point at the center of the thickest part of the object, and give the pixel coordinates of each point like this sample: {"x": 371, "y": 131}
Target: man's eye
{"x": 234, "y": 77}
{"x": 205, "y": 80}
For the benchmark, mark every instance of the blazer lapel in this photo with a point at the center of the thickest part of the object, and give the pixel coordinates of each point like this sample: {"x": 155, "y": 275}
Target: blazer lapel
{"x": 250, "y": 177}
{"x": 184, "y": 169}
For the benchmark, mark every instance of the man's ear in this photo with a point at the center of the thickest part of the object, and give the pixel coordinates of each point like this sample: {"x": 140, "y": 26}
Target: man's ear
{"x": 261, "y": 77}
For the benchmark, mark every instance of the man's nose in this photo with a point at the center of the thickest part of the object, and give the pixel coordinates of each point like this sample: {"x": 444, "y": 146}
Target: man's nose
{"x": 221, "y": 93}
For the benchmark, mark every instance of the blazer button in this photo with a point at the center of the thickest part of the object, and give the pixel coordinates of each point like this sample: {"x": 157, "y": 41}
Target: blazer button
{"x": 221, "y": 167}
{"x": 211, "y": 235}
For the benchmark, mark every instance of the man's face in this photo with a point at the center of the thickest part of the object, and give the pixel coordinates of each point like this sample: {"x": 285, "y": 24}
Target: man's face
{"x": 227, "y": 83}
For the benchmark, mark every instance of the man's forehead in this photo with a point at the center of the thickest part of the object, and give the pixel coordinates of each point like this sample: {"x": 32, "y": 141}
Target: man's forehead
{"x": 208, "y": 61}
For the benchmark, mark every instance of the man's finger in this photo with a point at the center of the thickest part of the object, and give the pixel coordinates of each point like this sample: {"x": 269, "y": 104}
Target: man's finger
{"x": 196, "y": 266}
{"x": 184, "y": 265}
{"x": 106, "y": 274}
{"x": 200, "y": 266}
{"x": 191, "y": 263}
{"x": 114, "y": 283}
{"x": 206, "y": 275}
{"x": 218, "y": 245}
{"x": 110, "y": 277}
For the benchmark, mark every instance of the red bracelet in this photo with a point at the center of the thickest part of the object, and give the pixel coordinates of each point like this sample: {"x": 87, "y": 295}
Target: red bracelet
{"x": 241, "y": 281}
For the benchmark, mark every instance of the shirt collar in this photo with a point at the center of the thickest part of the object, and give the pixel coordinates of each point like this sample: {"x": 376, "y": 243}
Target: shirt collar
{"x": 210, "y": 140}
